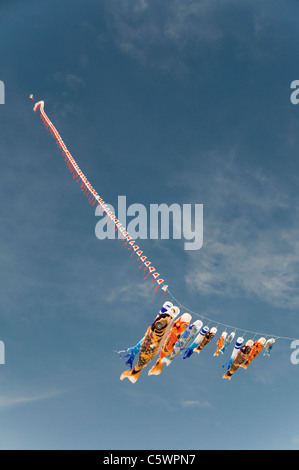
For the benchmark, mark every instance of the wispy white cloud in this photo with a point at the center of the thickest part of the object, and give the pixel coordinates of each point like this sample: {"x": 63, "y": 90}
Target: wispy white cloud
{"x": 251, "y": 233}
{"x": 13, "y": 400}
{"x": 70, "y": 80}
{"x": 178, "y": 28}
{"x": 196, "y": 403}
{"x": 129, "y": 294}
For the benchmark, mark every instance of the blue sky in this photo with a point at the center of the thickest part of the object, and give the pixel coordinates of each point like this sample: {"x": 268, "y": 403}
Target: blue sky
{"x": 175, "y": 102}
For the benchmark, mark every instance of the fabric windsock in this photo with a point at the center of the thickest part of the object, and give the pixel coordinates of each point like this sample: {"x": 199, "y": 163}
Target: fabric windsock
{"x": 227, "y": 341}
{"x": 189, "y": 334}
{"x": 268, "y": 346}
{"x": 236, "y": 349}
{"x": 177, "y": 329}
{"x": 254, "y": 352}
{"x": 174, "y": 311}
{"x": 239, "y": 359}
{"x": 220, "y": 343}
{"x": 189, "y": 351}
{"x": 206, "y": 339}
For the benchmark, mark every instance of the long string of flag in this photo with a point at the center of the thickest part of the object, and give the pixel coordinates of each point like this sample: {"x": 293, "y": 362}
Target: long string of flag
{"x": 93, "y": 198}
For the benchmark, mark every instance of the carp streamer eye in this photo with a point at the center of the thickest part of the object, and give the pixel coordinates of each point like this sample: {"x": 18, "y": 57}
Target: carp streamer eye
{"x": 161, "y": 324}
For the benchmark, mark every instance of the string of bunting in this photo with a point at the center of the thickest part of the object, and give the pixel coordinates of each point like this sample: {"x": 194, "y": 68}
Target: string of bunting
{"x": 93, "y": 198}
{"x": 169, "y": 324}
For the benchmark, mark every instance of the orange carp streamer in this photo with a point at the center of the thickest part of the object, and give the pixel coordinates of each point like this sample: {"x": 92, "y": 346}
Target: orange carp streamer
{"x": 255, "y": 350}
{"x": 177, "y": 328}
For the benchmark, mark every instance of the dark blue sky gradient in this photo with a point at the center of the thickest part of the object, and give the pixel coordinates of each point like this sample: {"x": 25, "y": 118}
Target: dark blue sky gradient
{"x": 175, "y": 102}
